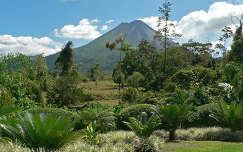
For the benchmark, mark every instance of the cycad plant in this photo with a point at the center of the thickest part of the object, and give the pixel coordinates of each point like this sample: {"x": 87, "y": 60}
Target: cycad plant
{"x": 41, "y": 130}
{"x": 143, "y": 127}
{"x": 230, "y": 115}
{"x": 172, "y": 117}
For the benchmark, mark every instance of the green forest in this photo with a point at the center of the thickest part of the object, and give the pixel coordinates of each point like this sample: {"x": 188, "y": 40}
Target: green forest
{"x": 165, "y": 97}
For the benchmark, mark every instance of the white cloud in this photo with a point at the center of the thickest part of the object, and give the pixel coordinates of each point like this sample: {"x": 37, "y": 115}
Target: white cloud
{"x": 85, "y": 30}
{"x": 109, "y": 21}
{"x": 153, "y": 23}
{"x": 28, "y": 45}
{"x": 203, "y": 25}
{"x": 104, "y": 28}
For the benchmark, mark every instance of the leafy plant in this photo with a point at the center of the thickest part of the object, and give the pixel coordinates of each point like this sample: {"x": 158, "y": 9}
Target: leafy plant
{"x": 144, "y": 126}
{"x": 102, "y": 117}
{"x": 230, "y": 115}
{"x": 41, "y": 130}
{"x": 172, "y": 117}
{"x": 91, "y": 134}
{"x": 65, "y": 92}
{"x": 5, "y": 97}
{"x": 133, "y": 111}
{"x": 129, "y": 95}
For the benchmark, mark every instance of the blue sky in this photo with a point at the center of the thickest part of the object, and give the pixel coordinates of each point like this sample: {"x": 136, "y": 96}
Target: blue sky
{"x": 47, "y": 24}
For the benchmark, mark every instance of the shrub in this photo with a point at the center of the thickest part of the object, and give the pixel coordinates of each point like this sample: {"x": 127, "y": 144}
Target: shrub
{"x": 45, "y": 130}
{"x": 209, "y": 134}
{"x": 191, "y": 78}
{"x": 34, "y": 91}
{"x": 25, "y": 93}
{"x": 230, "y": 116}
{"x": 135, "y": 80}
{"x": 5, "y": 97}
{"x": 65, "y": 91}
{"x": 173, "y": 116}
{"x": 170, "y": 87}
{"x": 200, "y": 117}
{"x": 91, "y": 134}
{"x": 200, "y": 97}
{"x": 150, "y": 98}
{"x": 132, "y": 111}
{"x": 144, "y": 126}
{"x": 101, "y": 116}
{"x": 129, "y": 95}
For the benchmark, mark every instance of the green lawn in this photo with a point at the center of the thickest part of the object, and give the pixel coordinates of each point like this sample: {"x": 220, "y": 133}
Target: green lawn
{"x": 203, "y": 146}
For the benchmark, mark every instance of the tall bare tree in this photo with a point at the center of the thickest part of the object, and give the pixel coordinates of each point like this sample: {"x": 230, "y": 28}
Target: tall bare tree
{"x": 167, "y": 29}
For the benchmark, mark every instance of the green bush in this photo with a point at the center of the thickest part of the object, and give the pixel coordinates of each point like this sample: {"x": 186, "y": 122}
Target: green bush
{"x": 173, "y": 116}
{"x": 5, "y": 97}
{"x": 129, "y": 95}
{"x": 100, "y": 115}
{"x": 65, "y": 92}
{"x": 194, "y": 77}
{"x": 144, "y": 126}
{"x": 200, "y": 96}
{"x": 41, "y": 130}
{"x": 150, "y": 98}
{"x": 135, "y": 80}
{"x": 25, "y": 93}
{"x": 132, "y": 111}
{"x": 230, "y": 115}
{"x": 34, "y": 91}
{"x": 170, "y": 87}
{"x": 200, "y": 117}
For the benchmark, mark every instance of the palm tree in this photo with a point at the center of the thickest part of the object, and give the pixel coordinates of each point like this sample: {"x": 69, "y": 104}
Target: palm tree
{"x": 230, "y": 116}
{"x": 172, "y": 116}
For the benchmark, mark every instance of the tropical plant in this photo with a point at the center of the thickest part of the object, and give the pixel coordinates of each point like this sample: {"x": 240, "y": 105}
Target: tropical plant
{"x": 5, "y": 97}
{"x": 135, "y": 80}
{"x": 172, "y": 117}
{"x": 132, "y": 111}
{"x": 143, "y": 127}
{"x": 102, "y": 117}
{"x": 65, "y": 91}
{"x": 129, "y": 95}
{"x": 41, "y": 130}
{"x": 229, "y": 115}
{"x": 91, "y": 134}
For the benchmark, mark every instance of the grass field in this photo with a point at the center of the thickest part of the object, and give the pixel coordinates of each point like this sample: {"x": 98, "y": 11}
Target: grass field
{"x": 120, "y": 141}
{"x": 203, "y": 146}
{"x": 106, "y": 92}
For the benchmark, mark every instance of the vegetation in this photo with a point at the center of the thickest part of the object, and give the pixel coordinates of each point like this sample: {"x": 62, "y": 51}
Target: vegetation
{"x": 185, "y": 92}
{"x": 47, "y": 131}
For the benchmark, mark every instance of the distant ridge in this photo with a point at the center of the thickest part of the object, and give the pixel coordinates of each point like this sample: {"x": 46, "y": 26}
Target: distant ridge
{"x": 96, "y": 51}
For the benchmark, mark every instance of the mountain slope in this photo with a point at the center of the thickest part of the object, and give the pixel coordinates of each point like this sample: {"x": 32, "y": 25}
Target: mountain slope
{"x": 96, "y": 51}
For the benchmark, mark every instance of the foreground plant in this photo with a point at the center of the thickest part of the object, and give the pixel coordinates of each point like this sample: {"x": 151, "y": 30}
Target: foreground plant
{"x": 173, "y": 116}
{"x": 91, "y": 134}
{"x": 41, "y": 130}
{"x": 230, "y": 116}
{"x": 143, "y": 127}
